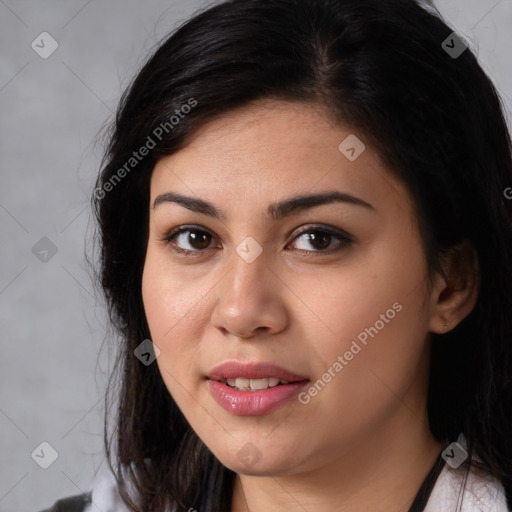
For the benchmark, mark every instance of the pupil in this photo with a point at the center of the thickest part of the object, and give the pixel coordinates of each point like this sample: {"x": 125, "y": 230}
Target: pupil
{"x": 196, "y": 239}
{"x": 320, "y": 241}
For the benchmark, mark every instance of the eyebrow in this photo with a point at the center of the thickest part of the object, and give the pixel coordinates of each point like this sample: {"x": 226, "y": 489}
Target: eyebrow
{"x": 275, "y": 211}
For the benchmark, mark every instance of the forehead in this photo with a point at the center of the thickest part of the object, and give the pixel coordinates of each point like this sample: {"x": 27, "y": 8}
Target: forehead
{"x": 274, "y": 149}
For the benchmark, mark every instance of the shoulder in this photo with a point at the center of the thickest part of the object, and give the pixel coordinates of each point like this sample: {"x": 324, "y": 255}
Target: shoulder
{"x": 77, "y": 503}
{"x": 471, "y": 489}
{"x": 103, "y": 496}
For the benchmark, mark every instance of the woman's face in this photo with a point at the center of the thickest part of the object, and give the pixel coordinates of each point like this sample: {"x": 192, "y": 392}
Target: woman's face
{"x": 328, "y": 295}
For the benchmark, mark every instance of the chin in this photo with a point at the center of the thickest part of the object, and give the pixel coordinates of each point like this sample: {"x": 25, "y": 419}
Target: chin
{"x": 251, "y": 461}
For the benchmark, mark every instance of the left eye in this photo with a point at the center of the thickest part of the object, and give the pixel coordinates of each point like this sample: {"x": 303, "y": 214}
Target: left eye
{"x": 321, "y": 239}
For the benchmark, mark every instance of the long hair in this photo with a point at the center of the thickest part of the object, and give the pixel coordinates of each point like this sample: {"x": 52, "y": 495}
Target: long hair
{"x": 380, "y": 67}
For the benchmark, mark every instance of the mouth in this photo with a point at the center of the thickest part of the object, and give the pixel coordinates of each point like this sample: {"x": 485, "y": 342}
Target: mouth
{"x": 251, "y": 389}
{"x": 243, "y": 384}
{"x": 253, "y": 376}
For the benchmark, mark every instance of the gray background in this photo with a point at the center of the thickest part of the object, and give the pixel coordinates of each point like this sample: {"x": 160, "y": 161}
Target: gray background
{"x": 52, "y": 373}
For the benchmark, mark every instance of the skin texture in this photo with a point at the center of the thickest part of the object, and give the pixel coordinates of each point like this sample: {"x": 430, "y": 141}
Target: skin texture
{"x": 363, "y": 442}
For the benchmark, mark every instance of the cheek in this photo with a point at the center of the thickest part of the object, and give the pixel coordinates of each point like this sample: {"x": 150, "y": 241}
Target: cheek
{"x": 174, "y": 311}
{"x": 359, "y": 298}
{"x": 171, "y": 303}
{"x": 374, "y": 347}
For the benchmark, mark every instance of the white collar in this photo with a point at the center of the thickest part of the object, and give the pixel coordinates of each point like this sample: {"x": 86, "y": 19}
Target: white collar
{"x": 478, "y": 493}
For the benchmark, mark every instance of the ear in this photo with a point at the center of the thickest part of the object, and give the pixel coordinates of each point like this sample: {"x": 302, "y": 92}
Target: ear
{"x": 454, "y": 297}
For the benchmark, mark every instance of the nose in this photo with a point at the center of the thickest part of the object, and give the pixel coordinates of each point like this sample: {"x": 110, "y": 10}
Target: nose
{"x": 250, "y": 299}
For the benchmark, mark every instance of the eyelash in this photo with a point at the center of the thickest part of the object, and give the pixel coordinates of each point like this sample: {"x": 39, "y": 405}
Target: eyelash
{"x": 344, "y": 239}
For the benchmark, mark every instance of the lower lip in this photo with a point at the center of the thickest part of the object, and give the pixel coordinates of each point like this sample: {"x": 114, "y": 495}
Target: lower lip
{"x": 253, "y": 403}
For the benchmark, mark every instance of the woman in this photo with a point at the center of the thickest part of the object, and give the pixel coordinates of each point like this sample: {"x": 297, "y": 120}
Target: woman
{"x": 306, "y": 247}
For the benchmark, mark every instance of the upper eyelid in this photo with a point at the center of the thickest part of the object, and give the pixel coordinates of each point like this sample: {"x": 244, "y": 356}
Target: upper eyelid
{"x": 299, "y": 231}
{"x": 336, "y": 232}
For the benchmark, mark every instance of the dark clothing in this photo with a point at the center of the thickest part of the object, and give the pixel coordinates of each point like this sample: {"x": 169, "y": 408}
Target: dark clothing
{"x": 75, "y": 503}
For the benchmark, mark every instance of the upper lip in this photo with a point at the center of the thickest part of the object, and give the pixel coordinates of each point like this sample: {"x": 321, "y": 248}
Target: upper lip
{"x": 234, "y": 369}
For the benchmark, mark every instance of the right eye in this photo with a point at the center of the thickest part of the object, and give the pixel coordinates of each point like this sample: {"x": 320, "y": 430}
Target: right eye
{"x": 198, "y": 240}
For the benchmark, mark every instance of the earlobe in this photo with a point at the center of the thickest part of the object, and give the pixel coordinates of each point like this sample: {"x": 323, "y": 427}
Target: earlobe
{"x": 454, "y": 297}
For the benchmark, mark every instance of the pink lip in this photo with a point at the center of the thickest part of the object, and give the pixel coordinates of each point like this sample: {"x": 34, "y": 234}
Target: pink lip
{"x": 234, "y": 369}
{"x": 253, "y": 403}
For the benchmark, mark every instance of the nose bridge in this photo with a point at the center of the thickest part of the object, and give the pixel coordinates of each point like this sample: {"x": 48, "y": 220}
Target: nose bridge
{"x": 248, "y": 299}
{"x": 249, "y": 267}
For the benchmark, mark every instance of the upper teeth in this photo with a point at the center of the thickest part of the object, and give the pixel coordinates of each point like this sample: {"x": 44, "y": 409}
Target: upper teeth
{"x": 254, "y": 384}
